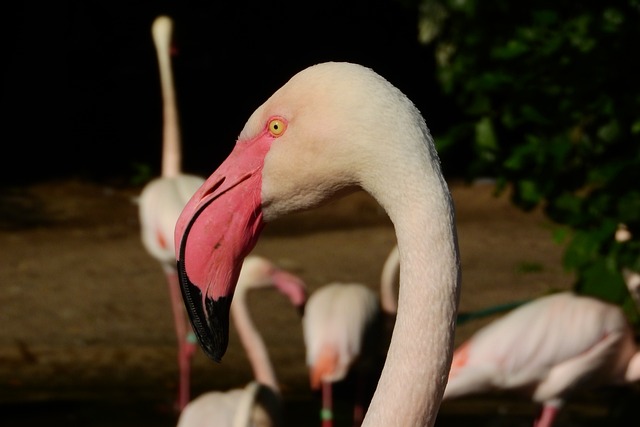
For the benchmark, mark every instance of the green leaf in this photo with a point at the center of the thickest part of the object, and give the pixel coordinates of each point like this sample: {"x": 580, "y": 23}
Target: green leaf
{"x": 485, "y": 136}
{"x": 603, "y": 282}
{"x": 530, "y": 113}
{"x": 609, "y": 131}
{"x": 512, "y": 49}
{"x": 561, "y": 234}
{"x": 612, "y": 19}
{"x": 528, "y": 192}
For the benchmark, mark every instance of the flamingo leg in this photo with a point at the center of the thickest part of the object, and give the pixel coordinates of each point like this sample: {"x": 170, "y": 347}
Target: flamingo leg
{"x": 186, "y": 341}
{"x": 546, "y": 417}
{"x": 326, "y": 412}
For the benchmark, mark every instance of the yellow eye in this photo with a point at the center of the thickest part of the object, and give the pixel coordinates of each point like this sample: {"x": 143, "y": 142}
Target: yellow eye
{"x": 277, "y": 126}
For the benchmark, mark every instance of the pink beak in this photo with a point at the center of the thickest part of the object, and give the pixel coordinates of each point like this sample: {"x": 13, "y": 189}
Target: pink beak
{"x": 217, "y": 228}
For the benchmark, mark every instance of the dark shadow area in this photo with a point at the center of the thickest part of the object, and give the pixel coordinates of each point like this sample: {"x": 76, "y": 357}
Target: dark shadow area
{"x": 21, "y": 210}
{"x": 81, "y": 86}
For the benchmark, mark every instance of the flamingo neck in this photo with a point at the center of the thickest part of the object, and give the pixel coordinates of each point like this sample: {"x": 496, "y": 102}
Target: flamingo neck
{"x": 414, "y": 377}
{"x": 171, "y": 149}
{"x": 253, "y": 343}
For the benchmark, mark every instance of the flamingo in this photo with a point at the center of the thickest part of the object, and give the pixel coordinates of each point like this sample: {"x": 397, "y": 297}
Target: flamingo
{"x": 160, "y": 204}
{"x": 259, "y": 402}
{"x": 332, "y": 129}
{"x": 548, "y": 349}
{"x": 339, "y": 326}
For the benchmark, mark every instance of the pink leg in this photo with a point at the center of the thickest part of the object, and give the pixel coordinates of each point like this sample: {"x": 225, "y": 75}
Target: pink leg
{"x": 186, "y": 340}
{"x": 546, "y": 417}
{"x": 326, "y": 413}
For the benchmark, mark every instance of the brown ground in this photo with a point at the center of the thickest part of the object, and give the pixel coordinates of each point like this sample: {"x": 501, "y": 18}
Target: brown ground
{"x": 86, "y": 313}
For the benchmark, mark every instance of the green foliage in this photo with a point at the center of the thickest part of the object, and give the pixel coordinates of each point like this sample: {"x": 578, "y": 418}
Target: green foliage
{"x": 549, "y": 93}
{"x": 142, "y": 173}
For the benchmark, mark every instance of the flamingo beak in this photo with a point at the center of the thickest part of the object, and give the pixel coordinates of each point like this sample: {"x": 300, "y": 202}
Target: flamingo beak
{"x": 217, "y": 228}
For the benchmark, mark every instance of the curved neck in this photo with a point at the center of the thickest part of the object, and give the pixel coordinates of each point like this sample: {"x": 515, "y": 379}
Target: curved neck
{"x": 413, "y": 379}
{"x": 388, "y": 280}
{"x": 171, "y": 150}
{"x": 252, "y": 342}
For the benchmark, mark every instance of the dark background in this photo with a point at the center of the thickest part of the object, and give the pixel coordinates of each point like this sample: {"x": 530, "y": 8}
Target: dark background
{"x": 81, "y": 93}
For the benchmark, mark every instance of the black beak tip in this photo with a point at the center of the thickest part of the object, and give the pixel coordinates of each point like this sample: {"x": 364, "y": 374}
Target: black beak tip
{"x": 209, "y": 320}
{"x": 215, "y": 337}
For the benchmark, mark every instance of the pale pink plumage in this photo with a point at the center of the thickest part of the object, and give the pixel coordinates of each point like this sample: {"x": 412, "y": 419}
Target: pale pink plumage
{"x": 161, "y": 202}
{"x": 337, "y": 329}
{"x": 547, "y": 350}
{"x": 332, "y": 129}
{"x": 258, "y": 403}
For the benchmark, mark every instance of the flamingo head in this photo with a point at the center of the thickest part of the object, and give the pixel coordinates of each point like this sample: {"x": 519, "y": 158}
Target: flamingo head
{"x": 306, "y": 145}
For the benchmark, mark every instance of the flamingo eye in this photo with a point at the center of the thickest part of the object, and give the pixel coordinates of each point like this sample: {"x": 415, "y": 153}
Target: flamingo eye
{"x": 277, "y": 126}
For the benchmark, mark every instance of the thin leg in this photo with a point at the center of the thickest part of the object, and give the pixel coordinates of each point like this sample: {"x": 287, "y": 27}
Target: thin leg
{"x": 186, "y": 341}
{"x": 326, "y": 413}
{"x": 546, "y": 417}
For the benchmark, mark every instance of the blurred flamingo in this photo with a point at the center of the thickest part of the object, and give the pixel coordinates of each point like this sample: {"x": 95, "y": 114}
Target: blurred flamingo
{"x": 548, "y": 349}
{"x": 332, "y": 129}
{"x": 340, "y": 324}
{"x": 259, "y": 402}
{"x": 631, "y": 278}
{"x": 161, "y": 202}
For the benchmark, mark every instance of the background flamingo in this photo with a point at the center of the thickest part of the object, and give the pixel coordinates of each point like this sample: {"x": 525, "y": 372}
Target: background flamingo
{"x": 389, "y": 281}
{"x": 631, "y": 278}
{"x": 258, "y": 403}
{"x": 332, "y": 129}
{"x": 548, "y": 349}
{"x": 340, "y": 324}
{"x": 341, "y": 331}
{"x": 161, "y": 202}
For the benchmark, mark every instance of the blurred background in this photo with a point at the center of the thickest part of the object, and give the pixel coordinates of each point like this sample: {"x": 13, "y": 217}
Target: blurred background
{"x": 88, "y": 72}
{"x": 538, "y": 99}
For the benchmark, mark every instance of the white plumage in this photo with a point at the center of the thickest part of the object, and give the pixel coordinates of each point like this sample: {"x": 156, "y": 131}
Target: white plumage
{"x": 337, "y": 320}
{"x": 548, "y": 349}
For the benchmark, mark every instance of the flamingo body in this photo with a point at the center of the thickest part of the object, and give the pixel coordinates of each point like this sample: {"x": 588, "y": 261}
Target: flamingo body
{"x": 332, "y": 129}
{"x": 160, "y": 204}
{"x": 339, "y": 326}
{"x": 548, "y": 349}
{"x": 337, "y": 320}
{"x": 255, "y": 405}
